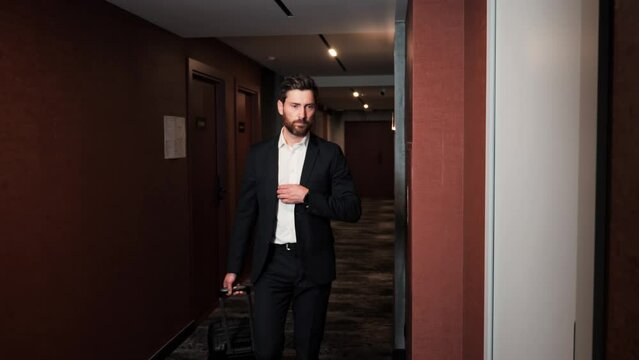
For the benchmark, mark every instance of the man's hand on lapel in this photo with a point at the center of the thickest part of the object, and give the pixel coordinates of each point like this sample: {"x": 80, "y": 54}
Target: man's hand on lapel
{"x": 291, "y": 193}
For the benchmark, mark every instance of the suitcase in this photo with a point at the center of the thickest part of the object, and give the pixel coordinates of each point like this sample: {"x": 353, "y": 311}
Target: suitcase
{"x": 232, "y": 337}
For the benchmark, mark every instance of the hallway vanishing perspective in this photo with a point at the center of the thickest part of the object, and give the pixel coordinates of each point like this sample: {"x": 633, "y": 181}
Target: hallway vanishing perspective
{"x": 360, "y": 313}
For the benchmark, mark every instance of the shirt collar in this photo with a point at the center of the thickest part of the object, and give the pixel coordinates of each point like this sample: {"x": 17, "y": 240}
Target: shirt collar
{"x": 282, "y": 142}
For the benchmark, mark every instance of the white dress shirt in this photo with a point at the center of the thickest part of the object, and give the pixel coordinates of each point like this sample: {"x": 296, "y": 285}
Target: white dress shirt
{"x": 290, "y": 163}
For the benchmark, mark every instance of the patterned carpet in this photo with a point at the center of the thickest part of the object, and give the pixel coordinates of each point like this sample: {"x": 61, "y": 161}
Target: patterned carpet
{"x": 360, "y": 312}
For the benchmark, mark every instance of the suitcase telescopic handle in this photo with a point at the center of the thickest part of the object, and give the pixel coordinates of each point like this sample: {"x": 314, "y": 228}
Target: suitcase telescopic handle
{"x": 244, "y": 288}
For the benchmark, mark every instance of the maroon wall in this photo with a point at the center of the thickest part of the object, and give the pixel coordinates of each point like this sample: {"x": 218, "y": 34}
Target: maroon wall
{"x": 622, "y": 321}
{"x": 93, "y": 221}
{"x": 474, "y": 176}
{"x": 446, "y": 81}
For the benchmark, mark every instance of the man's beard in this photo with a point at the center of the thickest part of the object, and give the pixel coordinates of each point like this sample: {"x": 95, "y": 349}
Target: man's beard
{"x": 301, "y": 132}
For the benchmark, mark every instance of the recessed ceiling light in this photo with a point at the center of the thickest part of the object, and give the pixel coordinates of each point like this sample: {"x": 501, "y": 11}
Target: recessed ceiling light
{"x": 332, "y": 52}
{"x": 355, "y": 94}
{"x": 365, "y": 106}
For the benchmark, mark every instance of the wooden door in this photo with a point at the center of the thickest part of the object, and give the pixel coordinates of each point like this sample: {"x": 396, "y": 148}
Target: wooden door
{"x": 247, "y": 132}
{"x": 370, "y": 155}
{"x": 247, "y": 129}
{"x": 205, "y": 136}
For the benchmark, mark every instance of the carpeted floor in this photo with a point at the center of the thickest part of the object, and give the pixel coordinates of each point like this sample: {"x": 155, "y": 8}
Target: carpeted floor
{"x": 360, "y": 312}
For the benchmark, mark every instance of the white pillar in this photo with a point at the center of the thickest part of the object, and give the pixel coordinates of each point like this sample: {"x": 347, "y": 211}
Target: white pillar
{"x": 542, "y": 93}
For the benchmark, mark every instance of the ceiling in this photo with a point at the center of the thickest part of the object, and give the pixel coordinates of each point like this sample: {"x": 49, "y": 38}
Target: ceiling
{"x": 362, "y": 32}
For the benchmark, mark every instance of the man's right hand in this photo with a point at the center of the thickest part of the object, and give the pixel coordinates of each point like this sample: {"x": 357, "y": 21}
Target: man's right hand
{"x": 229, "y": 280}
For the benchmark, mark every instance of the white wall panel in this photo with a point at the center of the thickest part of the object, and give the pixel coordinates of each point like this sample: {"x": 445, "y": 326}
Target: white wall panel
{"x": 544, "y": 147}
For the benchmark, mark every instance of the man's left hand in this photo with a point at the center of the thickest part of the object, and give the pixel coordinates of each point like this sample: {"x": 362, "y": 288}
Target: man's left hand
{"x": 291, "y": 193}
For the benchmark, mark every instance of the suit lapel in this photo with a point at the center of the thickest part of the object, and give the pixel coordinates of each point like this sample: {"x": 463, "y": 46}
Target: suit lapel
{"x": 309, "y": 160}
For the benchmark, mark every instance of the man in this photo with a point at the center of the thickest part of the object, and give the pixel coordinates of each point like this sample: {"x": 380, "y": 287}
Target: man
{"x": 293, "y": 186}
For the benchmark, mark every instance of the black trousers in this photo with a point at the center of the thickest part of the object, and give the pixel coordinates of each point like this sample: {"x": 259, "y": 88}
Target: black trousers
{"x": 282, "y": 283}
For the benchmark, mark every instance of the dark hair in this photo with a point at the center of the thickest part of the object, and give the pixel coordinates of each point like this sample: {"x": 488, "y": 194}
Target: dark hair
{"x": 297, "y": 82}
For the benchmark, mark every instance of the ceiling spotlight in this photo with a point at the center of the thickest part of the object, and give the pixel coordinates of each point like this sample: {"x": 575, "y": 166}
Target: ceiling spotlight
{"x": 332, "y": 51}
{"x": 365, "y": 106}
{"x": 355, "y": 94}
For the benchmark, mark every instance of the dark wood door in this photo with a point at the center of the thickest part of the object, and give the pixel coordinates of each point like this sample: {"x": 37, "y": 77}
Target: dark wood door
{"x": 246, "y": 130}
{"x": 205, "y": 190}
{"x": 370, "y": 155}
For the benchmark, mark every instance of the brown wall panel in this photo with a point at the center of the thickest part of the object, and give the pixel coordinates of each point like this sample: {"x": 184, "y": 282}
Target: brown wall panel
{"x": 474, "y": 176}
{"x": 445, "y": 159}
{"x": 622, "y": 320}
{"x": 94, "y": 222}
{"x": 436, "y": 204}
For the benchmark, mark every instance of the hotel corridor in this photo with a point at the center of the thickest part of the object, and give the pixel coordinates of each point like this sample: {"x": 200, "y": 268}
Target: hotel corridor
{"x": 360, "y": 313}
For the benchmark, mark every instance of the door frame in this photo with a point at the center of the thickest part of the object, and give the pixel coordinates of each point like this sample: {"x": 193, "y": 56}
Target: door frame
{"x": 197, "y": 69}
{"x": 400, "y": 323}
{"x": 254, "y": 135}
{"x": 256, "y": 128}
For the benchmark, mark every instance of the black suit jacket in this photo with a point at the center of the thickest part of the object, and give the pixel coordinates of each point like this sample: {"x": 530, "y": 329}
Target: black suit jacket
{"x": 331, "y": 196}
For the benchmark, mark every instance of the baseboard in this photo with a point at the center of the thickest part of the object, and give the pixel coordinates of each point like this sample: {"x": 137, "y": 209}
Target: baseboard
{"x": 176, "y": 341}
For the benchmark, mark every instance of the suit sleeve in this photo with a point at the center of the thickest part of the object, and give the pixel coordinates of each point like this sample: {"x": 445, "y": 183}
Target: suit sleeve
{"x": 244, "y": 218}
{"x": 342, "y": 203}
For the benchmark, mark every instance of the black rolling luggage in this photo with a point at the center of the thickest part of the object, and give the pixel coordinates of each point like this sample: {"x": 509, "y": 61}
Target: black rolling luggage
{"x": 231, "y": 336}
